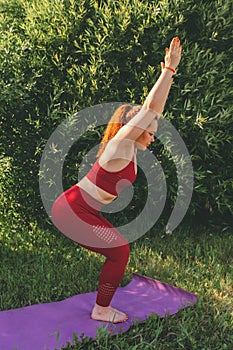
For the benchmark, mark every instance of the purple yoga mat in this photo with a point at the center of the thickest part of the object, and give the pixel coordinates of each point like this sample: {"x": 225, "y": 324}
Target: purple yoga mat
{"x": 51, "y": 326}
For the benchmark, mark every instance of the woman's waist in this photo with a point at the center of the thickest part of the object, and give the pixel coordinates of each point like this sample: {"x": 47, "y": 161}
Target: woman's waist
{"x": 96, "y": 192}
{"x": 78, "y": 199}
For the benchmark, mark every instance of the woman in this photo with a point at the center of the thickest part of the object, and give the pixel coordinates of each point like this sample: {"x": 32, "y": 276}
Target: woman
{"x": 76, "y": 212}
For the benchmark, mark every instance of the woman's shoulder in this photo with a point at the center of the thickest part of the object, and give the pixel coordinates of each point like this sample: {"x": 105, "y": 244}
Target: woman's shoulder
{"x": 117, "y": 154}
{"x": 118, "y": 148}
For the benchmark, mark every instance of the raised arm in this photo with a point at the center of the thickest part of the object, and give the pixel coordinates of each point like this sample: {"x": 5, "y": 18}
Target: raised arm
{"x": 155, "y": 101}
{"x": 158, "y": 95}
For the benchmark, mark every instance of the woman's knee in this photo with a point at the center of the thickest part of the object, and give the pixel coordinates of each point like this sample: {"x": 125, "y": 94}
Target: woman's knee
{"x": 127, "y": 251}
{"x": 122, "y": 253}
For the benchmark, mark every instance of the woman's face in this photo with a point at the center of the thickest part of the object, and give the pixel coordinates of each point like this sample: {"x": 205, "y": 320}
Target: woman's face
{"x": 147, "y": 136}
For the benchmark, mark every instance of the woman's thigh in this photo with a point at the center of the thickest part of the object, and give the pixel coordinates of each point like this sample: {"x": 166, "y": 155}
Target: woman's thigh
{"x": 83, "y": 224}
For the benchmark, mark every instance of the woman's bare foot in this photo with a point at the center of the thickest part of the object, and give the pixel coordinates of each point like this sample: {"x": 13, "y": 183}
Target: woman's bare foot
{"x": 108, "y": 314}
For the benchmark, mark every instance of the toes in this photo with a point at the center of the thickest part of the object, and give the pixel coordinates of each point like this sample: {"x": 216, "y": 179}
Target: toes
{"x": 121, "y": 320}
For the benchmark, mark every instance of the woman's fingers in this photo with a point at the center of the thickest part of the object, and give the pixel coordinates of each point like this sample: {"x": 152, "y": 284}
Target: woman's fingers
{"x": 173, "y": 53}
{"x": 175, "y": 43}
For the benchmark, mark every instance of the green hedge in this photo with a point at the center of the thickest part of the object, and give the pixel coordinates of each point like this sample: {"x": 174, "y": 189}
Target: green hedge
{"x": 58, "y": 57}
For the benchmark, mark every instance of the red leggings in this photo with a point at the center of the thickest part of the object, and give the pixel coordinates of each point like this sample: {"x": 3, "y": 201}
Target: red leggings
{"x": 76, "y": 214}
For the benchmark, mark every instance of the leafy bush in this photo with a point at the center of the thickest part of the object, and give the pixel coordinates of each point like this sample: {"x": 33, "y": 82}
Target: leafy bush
{"x": 6, "y": 186}
{"x": 58, "y": 57}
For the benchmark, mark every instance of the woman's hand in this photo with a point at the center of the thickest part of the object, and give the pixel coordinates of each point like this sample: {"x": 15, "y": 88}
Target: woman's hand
{"x": 173, "y": 54}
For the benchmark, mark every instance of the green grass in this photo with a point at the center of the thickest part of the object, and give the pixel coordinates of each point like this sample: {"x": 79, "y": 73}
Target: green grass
{"x": 41, "y": 265}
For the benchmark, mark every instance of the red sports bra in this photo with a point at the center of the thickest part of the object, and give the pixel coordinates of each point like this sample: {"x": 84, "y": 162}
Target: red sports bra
{"x": 112, "y": 182}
